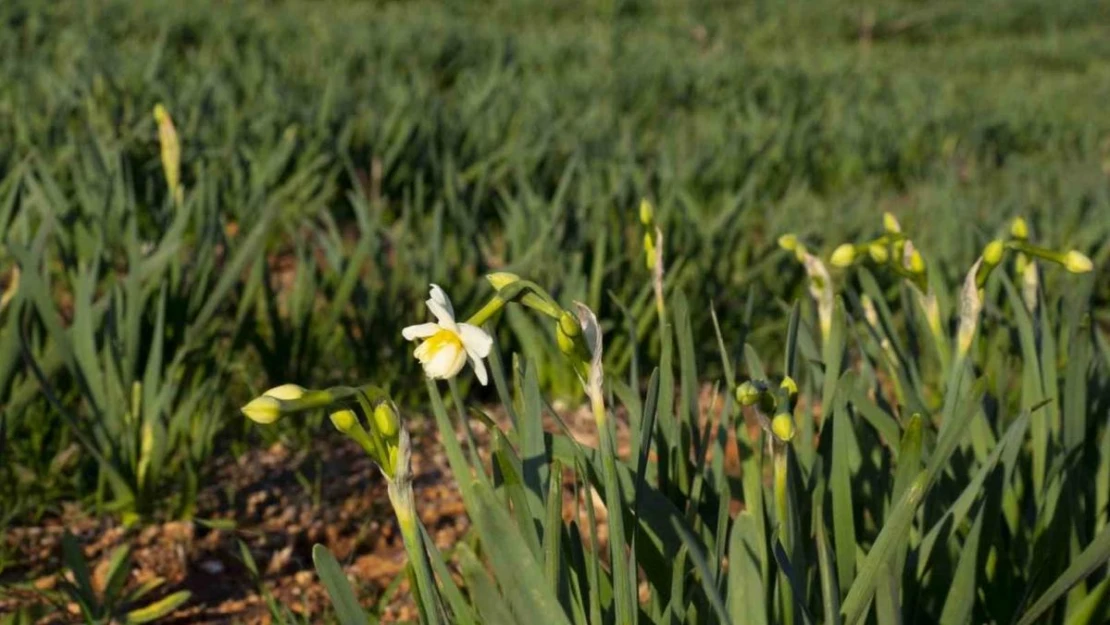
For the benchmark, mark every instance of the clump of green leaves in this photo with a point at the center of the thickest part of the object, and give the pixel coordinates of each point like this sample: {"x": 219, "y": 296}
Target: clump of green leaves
{"x": 116, "y": 602}
{"x": 874, "y": 482}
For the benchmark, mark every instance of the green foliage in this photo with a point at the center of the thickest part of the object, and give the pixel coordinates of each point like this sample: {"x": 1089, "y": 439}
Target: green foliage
{"x": 114, "y": 603}
{"x": 337, "y": 156}
{"x": 940, "y": 517}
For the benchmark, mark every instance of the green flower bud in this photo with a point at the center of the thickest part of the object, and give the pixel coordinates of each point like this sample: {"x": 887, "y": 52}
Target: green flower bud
{"x": 890, "y": 223}
{"x": 788, "y": 242}
{"x": 1019, "y": 229}
{"x": 566, "y": 343}
{"x": 649, "y": 250}
{"x": 844, "y": 255}
{"x": 783, "y": 427}
{"x": 385, "y": 420}
{"x": 879, "y": 252}
{"x": 569, "y": 325}
{"x": 286, "y": 392}
{"x": 1077, "y": 262}
{"x": 647, "y": 213}
{"x": 344, "y": 420}
{"x": 747, "y": 394}
{"x": 917, "y": 263}
{"x": 264, "y": 410}
{"x": 790, "y": 386}
{"x": 267, "y": 408}
{"x": 502, "y": 279}
{"x": 992, "y": 254}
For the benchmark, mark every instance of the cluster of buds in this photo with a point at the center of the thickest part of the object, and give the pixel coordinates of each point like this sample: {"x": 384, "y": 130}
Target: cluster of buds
{"x": 1073, "y": 261}
{"x": 780, "y": 431}
{"x": 1025, "y": 264}
{"x": 574, "y": 334}
{"x": 891, "y": 249}
{"x": 765, "y": 399}
{"x": 382, "y": 437}
{"x": 378, "y": 431}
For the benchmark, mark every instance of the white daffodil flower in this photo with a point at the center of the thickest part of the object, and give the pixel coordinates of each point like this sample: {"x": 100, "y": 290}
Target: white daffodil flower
{"x": 447, "y": 344}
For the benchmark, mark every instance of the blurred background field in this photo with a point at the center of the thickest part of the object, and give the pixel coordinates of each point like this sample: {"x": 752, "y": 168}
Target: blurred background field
{"x": 339, "y": 156}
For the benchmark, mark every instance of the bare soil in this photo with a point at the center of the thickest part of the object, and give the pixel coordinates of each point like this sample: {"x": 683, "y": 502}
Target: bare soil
{"x": 259, "y": 501}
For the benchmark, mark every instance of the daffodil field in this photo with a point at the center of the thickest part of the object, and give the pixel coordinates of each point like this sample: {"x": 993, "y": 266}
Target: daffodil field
{"x": 829, "y": 282}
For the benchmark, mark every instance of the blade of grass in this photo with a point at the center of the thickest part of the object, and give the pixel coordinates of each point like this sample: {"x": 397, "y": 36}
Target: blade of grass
{"x": 347, "y": 609}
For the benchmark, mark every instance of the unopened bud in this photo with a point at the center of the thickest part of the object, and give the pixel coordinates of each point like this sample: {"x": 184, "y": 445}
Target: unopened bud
{"x": 286, "y": 392}
{"x": 502, "y": 279}
{"x": 267, "y": 408}
{"x": 385, "y": 420}
{"x": 788, "y": 242}
{"x": 890, "y": 223}
{"x": 917, "y": 263}
{"x": 1019, "y": 229}
{"x": 790, "y": 386}
{"x": 647, "y": 212}
{"x": 1077, "y": 262}
{"x": 264, "y": 410}
{"x": 992, "y": 254}
{"x": 783, "y": 427}
{"x": 649, "y": 250}
{"x": 747, "y": 394}
{"x": 567, "y": 331}
{"x": 879, "y": 252}
{"x": 343, "y": 420}
{"x": 171, "y": 148}
{"x": 844, "y": 255}
{"x": 569, "y": 324}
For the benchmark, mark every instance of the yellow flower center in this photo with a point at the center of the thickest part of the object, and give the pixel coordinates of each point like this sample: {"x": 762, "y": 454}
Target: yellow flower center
{"x": 439, "y": 340}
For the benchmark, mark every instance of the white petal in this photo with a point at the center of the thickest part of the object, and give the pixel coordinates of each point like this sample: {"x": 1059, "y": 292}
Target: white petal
{"x": 443, "y": 318}
{"x": 445, "y": 363}
{"x": 476, "y": 340}
{"x": 441, "y": 307}
{"x": 420, "y": 331}
{"x": 479, "y": 369}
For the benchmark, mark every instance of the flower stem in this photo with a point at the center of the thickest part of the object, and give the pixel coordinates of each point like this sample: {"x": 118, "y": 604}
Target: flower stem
{"x": 486, "y": 312}
{"x": 404, "y": 507}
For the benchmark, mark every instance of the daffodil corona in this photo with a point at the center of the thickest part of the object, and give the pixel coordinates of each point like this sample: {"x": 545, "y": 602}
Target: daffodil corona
{"x": 446, "y": 345}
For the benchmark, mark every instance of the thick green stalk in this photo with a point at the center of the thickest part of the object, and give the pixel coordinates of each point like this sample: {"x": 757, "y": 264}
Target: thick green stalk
{"x": 404, "y": 507}
{"x": 486, "y": 312}
{"x": 781, "y": 471}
